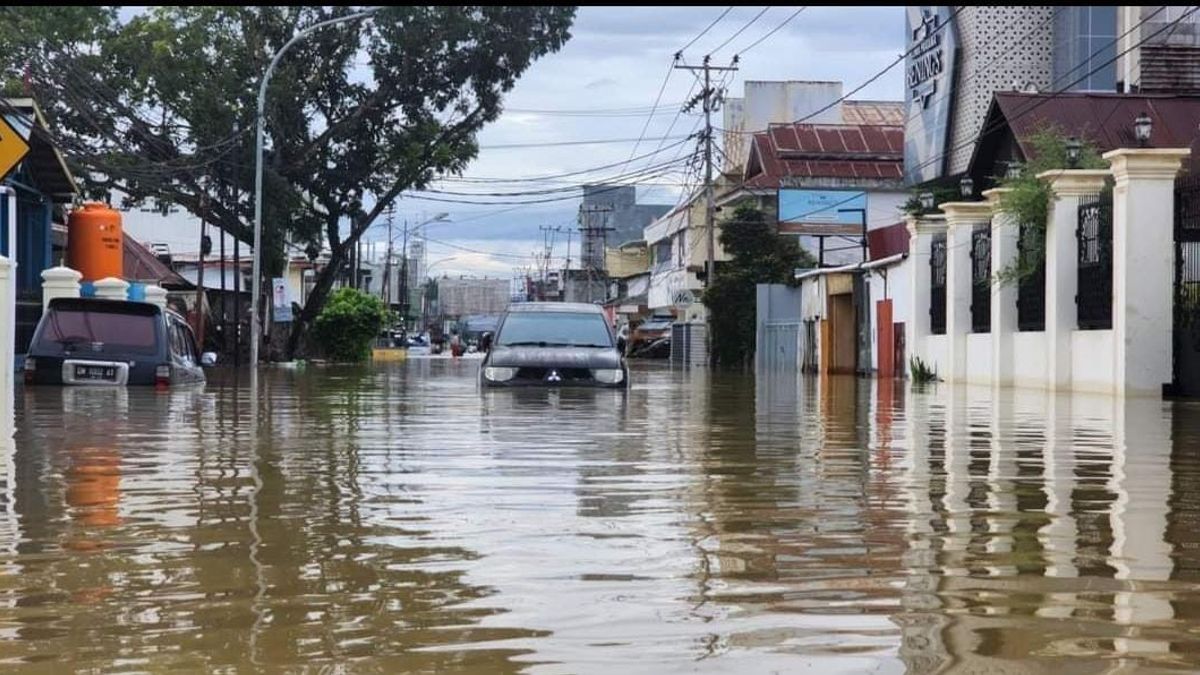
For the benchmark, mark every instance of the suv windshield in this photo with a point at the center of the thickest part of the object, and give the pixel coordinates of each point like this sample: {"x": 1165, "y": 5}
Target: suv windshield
{"x": 71, "y": 330}
{"x": 554, "y": 328}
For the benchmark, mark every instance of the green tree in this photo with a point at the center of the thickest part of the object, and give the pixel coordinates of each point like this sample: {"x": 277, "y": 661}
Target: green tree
{"x": 758, "y": 256}
{"x": 161, "y": 107}
{"x": 348, "y": 323}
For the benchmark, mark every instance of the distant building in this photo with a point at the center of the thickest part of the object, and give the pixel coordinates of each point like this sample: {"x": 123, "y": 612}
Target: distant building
{"x": 465, "y": 296}
{"x": 611, "y": 216}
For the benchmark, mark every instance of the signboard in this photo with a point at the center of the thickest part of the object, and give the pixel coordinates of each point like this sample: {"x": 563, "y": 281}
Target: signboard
{"x": 932, "y": 41}
{"x": 13, "y": 148}
{"x": 821, "y": 211}
{"x": 281, "y": 304}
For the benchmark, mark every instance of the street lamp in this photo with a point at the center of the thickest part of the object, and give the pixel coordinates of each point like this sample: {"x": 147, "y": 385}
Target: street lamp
{"x": 1142, "y": 126}
{"x": 927, "y": 201}
{"x": 967, "y": 187}
{"x": 255, "y": 321}
{"x": 1073, "y": 149}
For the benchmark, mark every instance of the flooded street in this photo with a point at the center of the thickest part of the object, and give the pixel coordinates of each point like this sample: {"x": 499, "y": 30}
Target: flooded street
{"x": 396, "y": 519}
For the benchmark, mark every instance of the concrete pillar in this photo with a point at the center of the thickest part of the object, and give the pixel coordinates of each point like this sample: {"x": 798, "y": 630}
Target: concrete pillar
{"x": 961, "y": 220}
{"x": 112, "y": 288}
{"x": 8, "y": 323}
{"x": 1005, "y": 232}
{"x": 1062, "y": 266}
{"x": 59, "y": 282}
{"x": 920, "y": 238}
{"x": 1143, "y": 266}
{"x": 156, "y": 295}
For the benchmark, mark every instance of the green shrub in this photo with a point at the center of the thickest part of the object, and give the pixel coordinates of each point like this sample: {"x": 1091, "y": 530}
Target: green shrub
{"x": 348, "y": 324}
{"x": 921, "y": 372}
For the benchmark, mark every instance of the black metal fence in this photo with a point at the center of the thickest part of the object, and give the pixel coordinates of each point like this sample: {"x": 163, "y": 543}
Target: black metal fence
{"x": 937, "y": 285}
{"x": 1093, "y": 299}
{"x": 1031, "y": 283}
{"x": 1186, "y": 329}
{"x": 981, "y": 279}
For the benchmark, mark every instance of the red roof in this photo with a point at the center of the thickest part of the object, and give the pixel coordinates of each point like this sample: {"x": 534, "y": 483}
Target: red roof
{"x": 140, "y": 265}
{"x": 824, "y": 151}
{"x": 1106, "y": 120}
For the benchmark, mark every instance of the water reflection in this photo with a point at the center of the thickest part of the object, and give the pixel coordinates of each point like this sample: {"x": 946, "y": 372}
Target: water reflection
{"x": 398, "y": 519}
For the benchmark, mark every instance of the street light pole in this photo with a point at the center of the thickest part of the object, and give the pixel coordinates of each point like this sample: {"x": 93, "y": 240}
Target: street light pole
{"x": 255, "y": 320}
{"x": 863, "y": 213}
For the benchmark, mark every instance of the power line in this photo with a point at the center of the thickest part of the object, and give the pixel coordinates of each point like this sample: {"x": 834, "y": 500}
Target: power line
{"x": 513, "y": 146}
{"x": 705, "y": 31}
{"x": 772, "y": 31}
{"x": 740, "y": 30}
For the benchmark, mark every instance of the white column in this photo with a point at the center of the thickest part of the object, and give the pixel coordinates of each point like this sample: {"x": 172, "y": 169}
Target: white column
{"x": 59, "y": 282}
{"x": 156, "y": 295}
{"x": 1004, "y": 295}
{"x": 8, "y": 323}
{"x": 961, "y": 220}
{"x": 916, "y": 328}
{"x": 1143, "y": 266}
{"x": 112, "y": 288}
{"x": 1062, "y": 266}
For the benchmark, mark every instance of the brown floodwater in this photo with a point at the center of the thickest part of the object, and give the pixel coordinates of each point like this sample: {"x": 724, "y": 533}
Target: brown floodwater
{"x": 396, "y": 519}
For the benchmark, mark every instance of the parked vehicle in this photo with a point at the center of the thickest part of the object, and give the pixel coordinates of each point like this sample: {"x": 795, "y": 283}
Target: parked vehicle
{"x": 553, "y": 344}
{"x": 88, "y": 341}
{"x": 652, "y": 339}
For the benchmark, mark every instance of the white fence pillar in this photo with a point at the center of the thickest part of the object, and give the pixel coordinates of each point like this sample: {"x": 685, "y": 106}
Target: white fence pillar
{"x": 1143, "y": 266}
{"x": 1062, "y": 266}
{"x": 920, "y": 239}
{"x": 112, "y": 288}
{"x": 1005, "y": 231}
{"x": 156, "y": 295}
{"x": 961, "y": 220}
{"x": 8, "y": 323}
{"x": 59, "y": 282}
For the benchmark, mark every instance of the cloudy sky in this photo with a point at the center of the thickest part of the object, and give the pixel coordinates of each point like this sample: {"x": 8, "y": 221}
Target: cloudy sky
{"x": 601, "y": 86}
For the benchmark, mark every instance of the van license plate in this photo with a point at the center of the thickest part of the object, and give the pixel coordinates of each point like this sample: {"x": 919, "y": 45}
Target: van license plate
{"x": 102, "y": 373}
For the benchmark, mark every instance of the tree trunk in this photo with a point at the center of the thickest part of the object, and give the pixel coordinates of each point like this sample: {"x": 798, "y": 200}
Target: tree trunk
{"x": 316, "y": 300}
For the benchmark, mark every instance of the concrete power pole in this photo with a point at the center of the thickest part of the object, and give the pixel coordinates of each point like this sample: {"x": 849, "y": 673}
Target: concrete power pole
{"x": 592, "y": 242}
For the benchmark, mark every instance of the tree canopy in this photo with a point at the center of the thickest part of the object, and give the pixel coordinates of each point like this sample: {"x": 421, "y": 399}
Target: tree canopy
{"x": 161, "y": 106}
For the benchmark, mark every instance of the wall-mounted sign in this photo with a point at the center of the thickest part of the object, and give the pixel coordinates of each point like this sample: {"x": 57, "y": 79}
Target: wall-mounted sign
{"x": 281, "y": 306}
{"x": 929, "y": 78}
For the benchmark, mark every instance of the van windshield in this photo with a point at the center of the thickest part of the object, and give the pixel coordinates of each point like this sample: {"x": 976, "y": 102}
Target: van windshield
{"x": 570, "y": 329}
{"x": 66, "y": 331}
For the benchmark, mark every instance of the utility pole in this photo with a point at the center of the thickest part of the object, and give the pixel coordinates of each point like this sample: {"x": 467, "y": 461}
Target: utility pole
{"x": 387, "y": 264}
{"x": 709, "y": 97}
{"x": 592, "y": 241}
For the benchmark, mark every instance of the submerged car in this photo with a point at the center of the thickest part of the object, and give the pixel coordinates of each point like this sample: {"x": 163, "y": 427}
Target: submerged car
{"x": 89, "y": 341}
{"x": 553, "y": 344}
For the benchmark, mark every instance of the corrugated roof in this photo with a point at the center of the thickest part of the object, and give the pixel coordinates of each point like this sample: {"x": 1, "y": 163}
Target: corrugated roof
{"x": 1105, "y": 120}
{"x": 139, "y": 264}
{"x": 824, "y": 151}
{"x": 875, "y": 113}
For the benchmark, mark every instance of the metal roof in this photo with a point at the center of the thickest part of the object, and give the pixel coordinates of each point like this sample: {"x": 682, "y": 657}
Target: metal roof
{"x": 885, "y": 113}
{"x": 824, "y": 151}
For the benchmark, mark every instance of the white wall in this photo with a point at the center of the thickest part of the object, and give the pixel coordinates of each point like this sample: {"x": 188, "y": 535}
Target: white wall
{"x": 8, "y": 320}
{"x": 1092, "y": 360}
{"x": 935, "y": 354}
{"x": 1029, "y": 359}
{"x": 979, "y": 358}
{"x": 883, "y": 208}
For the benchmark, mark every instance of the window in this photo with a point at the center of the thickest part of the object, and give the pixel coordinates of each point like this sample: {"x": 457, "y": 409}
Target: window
{"x": 105, "y": 332}
{"x": 662, "y": 254}
{"x": 937, "y": 285}
{"x": 682, "y": 252}
{"x": 571, "y": 329}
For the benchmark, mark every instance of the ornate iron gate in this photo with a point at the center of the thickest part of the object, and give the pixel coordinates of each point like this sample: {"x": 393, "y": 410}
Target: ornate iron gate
{"x": 1031, "y": 286}
{"x": 1093, "y": 299}
{"x": 981, "y": 279}
{"x": 937, "y": 285}
{"x": 1187, "y": 287}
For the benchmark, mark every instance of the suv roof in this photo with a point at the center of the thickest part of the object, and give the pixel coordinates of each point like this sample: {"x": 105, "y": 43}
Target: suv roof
{"x": 572, "y": 307}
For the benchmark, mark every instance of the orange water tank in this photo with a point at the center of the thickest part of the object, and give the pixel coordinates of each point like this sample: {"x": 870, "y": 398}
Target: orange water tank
{"x": 94, "y": 242}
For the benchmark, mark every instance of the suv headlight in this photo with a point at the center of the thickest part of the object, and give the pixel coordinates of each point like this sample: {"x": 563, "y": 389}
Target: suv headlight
{"x": 608, "y": 375}
{"x": 496, "y": 374}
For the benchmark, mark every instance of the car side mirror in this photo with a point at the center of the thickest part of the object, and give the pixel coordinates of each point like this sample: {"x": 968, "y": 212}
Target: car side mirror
{"x": 621, "y": 344}
{"x": 485, "y": 342}
{"x": 208, "y": 359}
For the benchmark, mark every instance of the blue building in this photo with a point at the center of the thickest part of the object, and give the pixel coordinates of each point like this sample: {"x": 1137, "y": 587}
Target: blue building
{"x": 44, "y": 188}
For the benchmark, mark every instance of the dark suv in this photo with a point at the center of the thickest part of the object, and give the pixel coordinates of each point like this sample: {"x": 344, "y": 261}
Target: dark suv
{"x": 553, "y": 344}
{"x": 88, "y": 341}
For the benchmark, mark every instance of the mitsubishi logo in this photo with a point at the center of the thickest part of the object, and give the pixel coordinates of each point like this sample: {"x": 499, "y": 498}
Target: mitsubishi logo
{"x": 554, "y": 376}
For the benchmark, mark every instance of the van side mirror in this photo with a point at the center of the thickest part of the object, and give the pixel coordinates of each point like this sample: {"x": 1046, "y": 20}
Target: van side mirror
{"x": 208, "y": 359}
{"x": 485, "y": 342}
{"x": 621, "y": 344}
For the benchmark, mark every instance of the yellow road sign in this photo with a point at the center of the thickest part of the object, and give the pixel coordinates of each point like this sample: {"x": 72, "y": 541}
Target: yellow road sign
{"x": 13, "y": 148}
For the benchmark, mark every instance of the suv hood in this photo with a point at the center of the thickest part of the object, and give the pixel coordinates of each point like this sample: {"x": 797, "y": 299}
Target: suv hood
{"x": 554, "y": 357}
